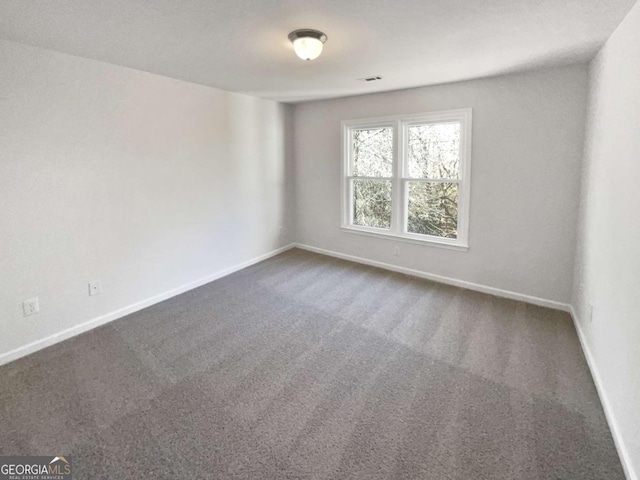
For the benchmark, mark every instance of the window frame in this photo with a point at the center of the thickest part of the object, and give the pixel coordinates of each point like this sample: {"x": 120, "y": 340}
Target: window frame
{"x": 399, "y": 181}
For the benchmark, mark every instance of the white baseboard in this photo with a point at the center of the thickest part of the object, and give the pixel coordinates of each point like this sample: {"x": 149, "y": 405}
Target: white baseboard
{"x": 623, "y": 453}
{"x": 604, "y": 399}
{"x": 109, "y": 317}
{"x": 441, "y": 279}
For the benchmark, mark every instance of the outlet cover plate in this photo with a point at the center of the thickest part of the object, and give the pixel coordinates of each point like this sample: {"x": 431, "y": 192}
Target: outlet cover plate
{"x": 95, "y": 288}
{"x": 31, "y": 307}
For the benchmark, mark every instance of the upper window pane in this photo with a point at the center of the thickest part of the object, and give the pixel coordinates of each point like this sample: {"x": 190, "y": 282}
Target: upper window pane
{"x": 434, "y": 150}
{"x": 373, "y": 152}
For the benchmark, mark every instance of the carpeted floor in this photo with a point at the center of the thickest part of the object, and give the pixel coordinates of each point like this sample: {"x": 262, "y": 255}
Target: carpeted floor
{"x": 305, "y": 366}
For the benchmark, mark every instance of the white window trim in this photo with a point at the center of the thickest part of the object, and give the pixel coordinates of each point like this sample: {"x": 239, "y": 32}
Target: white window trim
{"x": 400, "y": 123}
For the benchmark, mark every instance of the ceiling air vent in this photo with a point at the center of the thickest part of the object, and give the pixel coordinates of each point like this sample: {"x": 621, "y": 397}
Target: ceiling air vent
{"x": 370, "y": 79}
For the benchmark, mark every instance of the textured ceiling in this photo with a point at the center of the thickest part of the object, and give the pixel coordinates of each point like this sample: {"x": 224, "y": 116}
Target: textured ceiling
{"x": 242, "y": 45}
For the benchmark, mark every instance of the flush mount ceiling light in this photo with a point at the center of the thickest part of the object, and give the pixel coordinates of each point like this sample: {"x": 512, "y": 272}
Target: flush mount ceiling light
{"x": 307, "y": 43}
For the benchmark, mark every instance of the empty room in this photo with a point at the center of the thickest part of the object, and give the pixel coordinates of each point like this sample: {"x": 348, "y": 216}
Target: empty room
{"x": 319, "y": 240}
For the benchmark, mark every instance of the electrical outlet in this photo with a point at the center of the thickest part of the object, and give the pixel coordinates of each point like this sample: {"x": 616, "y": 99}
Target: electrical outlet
{"x": 31, "y": 307}
{"x": 396, "y": 251}
{"x": 95, "y": 288}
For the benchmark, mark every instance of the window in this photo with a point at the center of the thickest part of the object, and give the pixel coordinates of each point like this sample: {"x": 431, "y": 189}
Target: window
{"x": 408, "y": 177}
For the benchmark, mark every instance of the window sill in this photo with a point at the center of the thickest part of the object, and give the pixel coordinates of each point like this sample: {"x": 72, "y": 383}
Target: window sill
{"x": 431, "y": 242}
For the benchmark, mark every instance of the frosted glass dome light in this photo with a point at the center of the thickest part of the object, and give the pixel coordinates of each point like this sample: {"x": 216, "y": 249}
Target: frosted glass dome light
{"x": 307, "y": 43}
{"x": 307, "y": 48}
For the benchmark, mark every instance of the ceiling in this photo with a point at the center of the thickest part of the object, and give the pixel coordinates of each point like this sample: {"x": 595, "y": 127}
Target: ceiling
{"x": 242, "y": 45}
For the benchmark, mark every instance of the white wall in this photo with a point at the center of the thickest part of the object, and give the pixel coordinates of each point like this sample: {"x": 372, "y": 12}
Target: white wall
{"x": 608, "y": 254}
{"x": 148, "y": 183}
{"x": 528, "y": 132}
{"x": 143, "y": 182}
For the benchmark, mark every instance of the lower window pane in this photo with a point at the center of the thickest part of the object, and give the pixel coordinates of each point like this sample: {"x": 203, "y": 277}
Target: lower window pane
{"x": 433, "y": 209}
{"x": 372, "y": 203}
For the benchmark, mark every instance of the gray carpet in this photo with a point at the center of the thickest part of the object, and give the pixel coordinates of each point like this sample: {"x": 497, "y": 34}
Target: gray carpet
{"x": 304, "y": 366}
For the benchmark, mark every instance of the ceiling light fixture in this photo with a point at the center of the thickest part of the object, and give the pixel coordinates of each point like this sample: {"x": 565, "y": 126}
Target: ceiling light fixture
{"x": 307, "y": 43}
